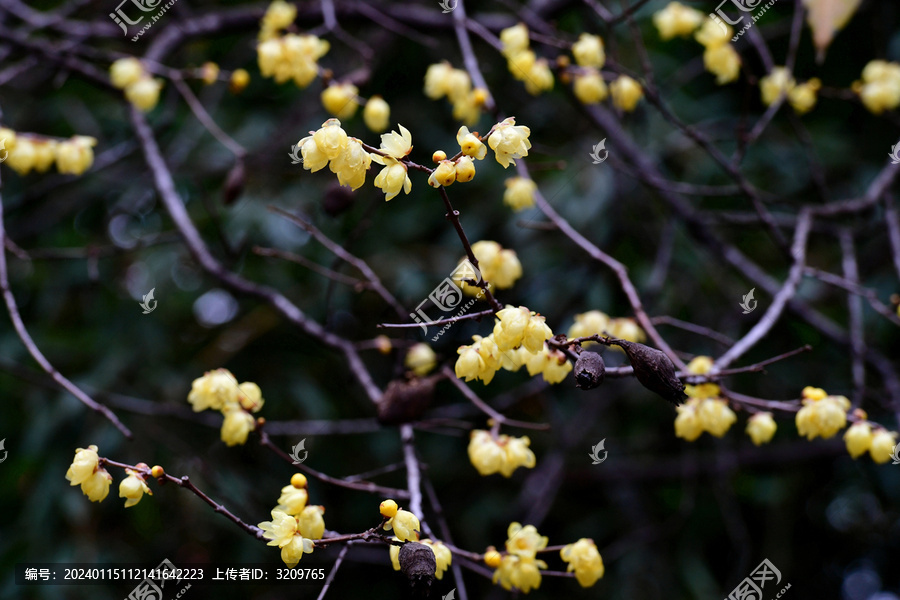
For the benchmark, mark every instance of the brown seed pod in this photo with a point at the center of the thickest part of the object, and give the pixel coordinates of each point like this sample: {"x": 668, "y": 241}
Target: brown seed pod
{"x": 417, "y": 562}
{"x": 653, "y": 369}
{"x": 589, "y": 370}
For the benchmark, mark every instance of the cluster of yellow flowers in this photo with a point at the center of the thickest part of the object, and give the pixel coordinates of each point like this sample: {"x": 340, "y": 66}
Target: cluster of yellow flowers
{"x": 519, "y": 193}
{"x": 441, "y": 79}
{"x": 499, "y": 266}
{"x": 801, "y": 96}
{"x": 862, "y": 437}
{"x": 879, "y": 89}
{"x": 94, "y": 480}
{"x": 141, "y": 89}
{"x": 522, "y": 62}
{"x": 719, "y": 57}
{"x": 405, "y": 524}
{"x": 517, "y": 340}
{"x": 595, "y": 322}
{"x": 219, "y": 390}
{"x": 345, "y": 155}
{"x": 420, "y": 359}
{"x": 821, "y": 415}
{"x": 677, "y": 20}
{"x": 27, "y": 151}
{"x": 704, "y": 410}
{"x": 294, "y": 525}
{"x": 519, "y": 567}
{"x": 502, "y": 454}
{"x": 287, "y": 56}
{"x": 461, "y": 168}
{"x": 585, "y": 560}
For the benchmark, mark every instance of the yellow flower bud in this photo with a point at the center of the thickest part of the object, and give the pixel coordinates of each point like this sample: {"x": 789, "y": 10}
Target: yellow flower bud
{"x": 715, "y": 416}
{"x": 465, "y": 169}
{"x": 377, "y": 114}
{"x": 383, "y": 344}
{"x": 310, "y": 523}
{"x": 438, "y": 156}
{"x": 776, "y": 83}
{"x": 858, "y": 439}
{"x": 458, "y": 85}
{"x": 239, "y": 80}
{"x": 250, "y": 396}
{"x": 388, "y": 508}
{"x": 626, "y": 93}
{"x": 144, "y": 93}
{"x": 492, "y": 557}
{"x": 209, "y": 72}
{"x": 436, "y": 79}
{"x": 803, "y": 96}
{"x": 75, "y": 156}
{"x": 761, "y": 427}
{"x": 882, "y": 447}
{"x": 539, "y": 79}
{"x": 340, "y": 100}
{"x": 677, "y": 20}
{"x": 444, "y": 174}
{"x": 125, "y": 72}
{"x": 589, "y": 87}
{"x": 470, "y": 144}
{"x": 711, "y": 33}
{"x": 133, "y": 488}
{"x": 22, "y": 156}
{"x": 157, "y": 471}
{"x": 813, "y": 393}
{"x": 588, "y": 51}
{"x": 293, "y": 499}
{"x": 514, "y": 39}
{"x": 420, "y": 359}
{"x": 521, "y": 63}
{"x": 519, "y": 193}
{"x": 237, "y": 425}
{"x": 298, "y": 480}
{"x": 96, "y": 487}
{"x": 279, "y": 15}
{"x": 405, "y": 525}
{"x": 687, "y": 423}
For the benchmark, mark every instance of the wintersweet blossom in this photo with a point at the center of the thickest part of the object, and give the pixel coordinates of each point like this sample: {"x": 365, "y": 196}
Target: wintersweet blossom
{"x": 761, "y": 427}
{"x": 509, "y": 141}
{"x": 405, "y": 526}
{"x": 420, "y": 359}
{"x": 377, "y": 114}
{"x": 340, "y": 99}
{"x": 470, "y": 144}
{"x": 584, "y": 559}
{"x": 677, "y": 19}
{"x": 214, "y": 390}
{"x": 882, "y": 447}
{"x": 626, "y": 93}
{"x": 858, "y": 438}
{"x": 501, "y": 454}
{"x": 588, "y": 51}
{"x": 133, "y": 488}
{"x": 771, "y": 87}
{"x": 589, "y": 86}
{"x": 821, "y": 416}
{"x": 519, "y": 193}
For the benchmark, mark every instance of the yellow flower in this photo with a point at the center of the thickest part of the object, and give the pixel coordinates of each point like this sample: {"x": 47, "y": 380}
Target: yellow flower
{"x": 776, "y": 83}
{"x": 470, "y": 144}
{"x": 519, "y": 193}
{"x": 858, "y": 438}
{"x": 761, "y": 427}
{"x": 583, "y": 558}
{"x": 280, "y": 529}
{"x": 539, "y": 78}
{"x": 551, "y": 364}
{"x": 394, "y": 551}
{"x": 144, "y": 93}
{"x": 465, "y": 169}
{"x": 237, "y": 425}
{"x": 310, "y": 523}
{"x": 500, "y": 267}
{"x": 250, "y": 396}
{"x": 377, "y": 114}
{"x": 392, "y": 178}
{"x": 96, "y": 487}
{"x": 444, "y": 174}
{"x": 803, "y": 96}
{"x": 75, "y": 156}
{"x": 522, "y": 573}
{"x": 388, "y": 508}
{"x": 339, "y": 99}
{"x": 711, "y": 34}
{"x": 352, "y": 165}
{"x": 480, "y": 360}
{"x": 687, "y": 423}
{"x": 723, "y": 62}
{"x": 8, "y": 137}
{"x": 882, "y": 447}
{"x": 589, "y": 86}
{"x": 677, "y": 19}
{"x": 468, "y": 108}
{"x": 524, "y": 541}
{"x": 626, "y": 93}
{"x": 291, "y": 57}
{"x": 880, "y": 96}
{"x": 590, "y": 323}
{"x": 459, "y": 85}
{"x": 715, "y": 416}
{"x": 133, "y": 488}
{"x": 405, "y": 525}
{"x": 436, "y": 78}
{"x": 492, "y": 558}
{"x": 125, "y": 72}
{"x": 279, "y": 15}
{"x": 396, "y": 145}
{"x": 516, "y": 454}
{"x": 22, "y": 155}
{"x": 44, "y": 154}
{"x": 626, "y": 329}
{"x": 485, "y": 453}
{"x": 521, "y": 63}
{"x": 420, "y": 359}
{"x": 292, "y": 500}
{"x": 514, "y": 39}
{"x": 293, "y": 551}
{"x": 701, "y": 365}
{"x": 209, "y": 72}
{"x": 509, "y": 141}
{"x": 270, "y": 58}
{"x": 813, "y": 393}
{"x": 588, "y": 51}
{"x": 331, "y": 139}
{"x": 823, "y": 417}
{"x": 214, "y": 390}
{"x": 238, "y": 81}
{"x": 83, "y": 466}
{"x": 442, "y": 556}
{"x": 520, "y": 327}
